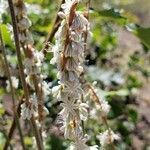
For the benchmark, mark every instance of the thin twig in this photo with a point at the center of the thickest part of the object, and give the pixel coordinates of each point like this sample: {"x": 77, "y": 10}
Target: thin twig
{"x": 16, "y": 38}
{"x": 13, "y": 127}
{"x": 53, "y": 31}
{"x": 12, "y": 91}
{"x": 85, "y": 48}
{"x": 21, "y": 71}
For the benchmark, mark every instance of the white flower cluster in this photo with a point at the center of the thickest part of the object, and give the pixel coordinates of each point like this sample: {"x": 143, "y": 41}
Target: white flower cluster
{"x": 103, "y": 108}
{"x": 68, "y": 54}
{"x": 31, "y": 108}
{"x": 107, "y": 137}
{"x": 27, "y": 110}
{"x": 23, "y": 22}
{"x": 15, "y": 83}
{"x": 33, "y": 65}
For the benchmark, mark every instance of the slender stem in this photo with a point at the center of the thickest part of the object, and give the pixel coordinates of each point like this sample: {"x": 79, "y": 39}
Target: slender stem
{"x": 82, "y": 122}
{"x": 12, "y": 91}
{"x": 13, "y": 127}
{"x": 85, "y": 48}
{"x": 86, "y": 31}
{"x": 39, "y": 93}
{"x": 53, "y": 31}
{"x": 21, "y": 71}
{"x": 7, "y": 139}
{"x": 20, "y": 64}
{"x": 37, "y": 135}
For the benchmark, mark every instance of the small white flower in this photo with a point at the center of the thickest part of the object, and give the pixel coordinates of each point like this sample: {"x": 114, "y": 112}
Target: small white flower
{"x": 67, "y": 77}
{"x": 15, "y": 83}
{"x": 61, "y": 33}
{"x": 107, "y": 137}
{"x": 19, "y": 11}
{"x": 28, "y": 110}
{"x": 45, "y": 111}
{"x": 33, "y": 65}
{"x": 46, "y": 88}
{"x": 29, "y": 81}
{"x": 69, "y": 110}
{"x": 56, "y": 90}
{"x": 33, "y": 101}
{"x": 67, "y": 5}
{"x": 56, "y": 56}
{"x": 61, "y": 15}
{"x": 105, "y": 107}
{"x": 80, "y": 144}
{"x": 83, "y": 111}
{"x": 71, "y": 64}
{"x": 22, "y": 37}
{"x": 72, "y": 130}
{"x": 73, "y": 89}
{"x": 29, "y": 38}
{"x": 26, "y": 113}
{"x": 79, "y": 23}
{"x": 38, "y": 58}
{"x": 24, "y": 23}
{"x": 30, "y": 67}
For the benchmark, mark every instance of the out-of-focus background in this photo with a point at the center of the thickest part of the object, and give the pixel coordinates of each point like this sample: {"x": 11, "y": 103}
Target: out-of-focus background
{"x": 118, "y": 58}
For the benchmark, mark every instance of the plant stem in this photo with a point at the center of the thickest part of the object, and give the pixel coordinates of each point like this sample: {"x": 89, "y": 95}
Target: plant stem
{"x": 53, "y": 31}
{"x": 12, "y": 91}
{"x": 17, "y": 44}
{"x": 37, "y": 134}
{"x": 13, "y": 127}
{"x": 21, "y": 72}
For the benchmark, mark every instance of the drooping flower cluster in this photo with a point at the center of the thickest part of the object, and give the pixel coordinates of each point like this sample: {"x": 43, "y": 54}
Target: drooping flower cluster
{"x": 23, "y": 22}
{"x": 32, "y": 63}
{"x": 68, "y": 54}
{"x": 102, "y": 109}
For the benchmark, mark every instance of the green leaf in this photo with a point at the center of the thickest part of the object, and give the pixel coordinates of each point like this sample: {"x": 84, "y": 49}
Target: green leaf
{"x": 28, "y": 140}
{"x": 144, "y": 35}
{"x": 6, "y": 35}
{"x": 132, "y": 114}
{"x": 2, "y": 110}
{"x": 112, "y": 13}
{"x": 122, "y": 92}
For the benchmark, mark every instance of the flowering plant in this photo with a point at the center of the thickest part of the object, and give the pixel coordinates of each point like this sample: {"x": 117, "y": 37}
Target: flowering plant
{"x": 58, "y": 86}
